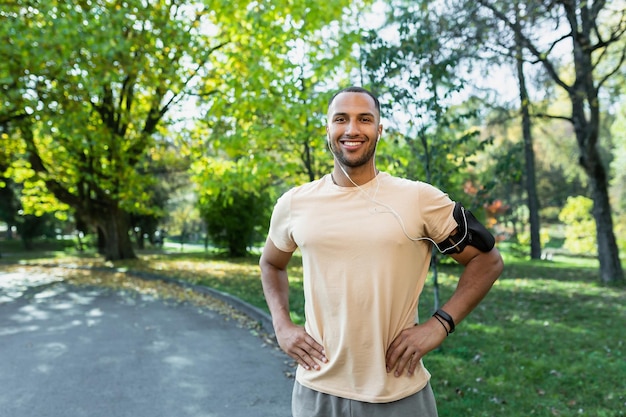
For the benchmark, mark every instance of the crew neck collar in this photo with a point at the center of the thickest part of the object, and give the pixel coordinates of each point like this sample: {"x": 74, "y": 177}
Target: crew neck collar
{"x": 370, "y": 183}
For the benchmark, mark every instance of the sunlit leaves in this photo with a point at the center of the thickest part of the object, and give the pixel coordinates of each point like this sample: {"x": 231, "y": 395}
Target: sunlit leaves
{"x": 412, "y": 67}
{"x": 271, "y": 100}
{"x": 99, "y": 81}
{"x": 37, "y": 201}
{"x": 265, "y": 101}
{"x": 580, "y": 236}
{"x": 101, "y": 78}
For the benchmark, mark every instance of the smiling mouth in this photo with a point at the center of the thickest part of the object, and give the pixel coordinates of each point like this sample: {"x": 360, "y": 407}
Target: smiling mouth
{"x": 351, "y": 143}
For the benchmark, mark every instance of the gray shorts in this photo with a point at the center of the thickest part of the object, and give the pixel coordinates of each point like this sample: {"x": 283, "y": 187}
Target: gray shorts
{"x": 306, "y": 402}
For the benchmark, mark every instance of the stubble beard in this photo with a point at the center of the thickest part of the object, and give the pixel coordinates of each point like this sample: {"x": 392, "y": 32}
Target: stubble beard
{"x": 353, "y": 163}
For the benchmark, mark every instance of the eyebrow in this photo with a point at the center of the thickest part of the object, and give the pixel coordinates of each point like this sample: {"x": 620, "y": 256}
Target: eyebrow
{"x": 359, "y": 115}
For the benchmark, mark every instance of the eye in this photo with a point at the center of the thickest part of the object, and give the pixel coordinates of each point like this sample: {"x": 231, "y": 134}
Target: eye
{"x": 340, "y": 119}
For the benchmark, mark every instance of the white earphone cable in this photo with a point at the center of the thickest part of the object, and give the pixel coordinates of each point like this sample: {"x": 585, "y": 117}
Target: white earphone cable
{"x": 396, "y": 214}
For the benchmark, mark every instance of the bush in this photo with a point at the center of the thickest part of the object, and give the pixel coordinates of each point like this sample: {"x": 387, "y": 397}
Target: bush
{"x": 232, "y": 221}
{"x": 580, "y": 234}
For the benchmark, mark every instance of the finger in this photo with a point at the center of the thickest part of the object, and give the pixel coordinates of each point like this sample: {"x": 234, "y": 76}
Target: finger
{"x": 394, "y": 353}
{"x": 303, "y": 363}
{"x": 402, "y": 363}
{"x": 315, "y": 349}
{"x": 306, "y": 361}
{"x": 396, "y": 361}
{"x": 413, "y": 365}
{"x": 391, "y": 360}
{"x": 307, "y": 350}
{"x": 410, "y": 364}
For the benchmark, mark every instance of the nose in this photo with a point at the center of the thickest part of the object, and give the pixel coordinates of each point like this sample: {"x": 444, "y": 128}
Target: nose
{"x": 352, "y": 128}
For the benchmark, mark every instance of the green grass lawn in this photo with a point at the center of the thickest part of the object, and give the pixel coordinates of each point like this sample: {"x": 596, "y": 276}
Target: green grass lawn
{"x": 548, "y": 340}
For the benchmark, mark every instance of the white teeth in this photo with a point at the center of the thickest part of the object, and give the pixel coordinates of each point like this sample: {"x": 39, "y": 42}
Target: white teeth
{"x": 352, "y": 143}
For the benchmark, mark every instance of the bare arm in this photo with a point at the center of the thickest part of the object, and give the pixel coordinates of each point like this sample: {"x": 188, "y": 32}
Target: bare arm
{"x": 481, "y": 271}
{"x": 292, "y": 339}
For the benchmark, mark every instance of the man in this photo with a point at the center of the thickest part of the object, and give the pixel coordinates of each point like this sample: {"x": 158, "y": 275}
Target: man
{"x": 366, "y": 240}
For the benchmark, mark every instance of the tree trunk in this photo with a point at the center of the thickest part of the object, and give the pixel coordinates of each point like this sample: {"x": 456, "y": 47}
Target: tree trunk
{"x": 529, "y": 156}
{"x": 586, "y": 120}
{"x": 608, "y": 253}
{"x": 114, "y": 225}
{"x": 101, "y": 241}
{"x": 111, "y": 222}
{"x": 433, "y": 265}
{"x": 140, "y": 239}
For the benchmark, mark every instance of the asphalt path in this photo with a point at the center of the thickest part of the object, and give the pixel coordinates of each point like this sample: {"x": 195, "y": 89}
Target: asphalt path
{"x": 76, "y": 351}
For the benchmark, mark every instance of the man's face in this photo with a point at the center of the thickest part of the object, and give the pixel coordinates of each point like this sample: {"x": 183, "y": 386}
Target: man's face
{"x": 353, "y": 127}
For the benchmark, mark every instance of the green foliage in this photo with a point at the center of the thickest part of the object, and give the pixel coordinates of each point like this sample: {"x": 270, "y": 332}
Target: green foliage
{"x": 92, "y": 94}
{"x": 620, "y": 231}
{"x": 273, "y": 87}
{"x": 433, "y": 140}
{"x": 88, "y": 87}
{"x": 234, "y": 203}
{"x": 102, "y": 97}
{"x": 31, "y": 227}
{"x": 234, "y": 223}
{"x": 523, "y": 238}
{"x": 264, "y": 131}
{"x": 580, "y": 237}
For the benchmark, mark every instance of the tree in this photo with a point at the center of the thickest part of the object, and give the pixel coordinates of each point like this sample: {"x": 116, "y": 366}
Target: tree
{"x": 92, "y": 83}
{"x": 235, "y": 213}
{"x": 482, "y": 48}
{"x": 594, "y": 30}
{"x": 264, "y": 131}
{"x": 529, "y": 153}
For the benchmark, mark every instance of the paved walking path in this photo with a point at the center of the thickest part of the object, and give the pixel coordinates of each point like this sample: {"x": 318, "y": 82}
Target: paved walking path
{"x": 84, "y": 351}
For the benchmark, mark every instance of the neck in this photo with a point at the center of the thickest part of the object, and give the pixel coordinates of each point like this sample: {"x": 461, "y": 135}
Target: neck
{"x": 351, "y": 177}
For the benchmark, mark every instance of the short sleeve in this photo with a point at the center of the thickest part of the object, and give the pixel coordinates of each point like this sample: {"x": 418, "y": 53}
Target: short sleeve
{"x": 280, "y": 224}
{"x": 437, "y": 213}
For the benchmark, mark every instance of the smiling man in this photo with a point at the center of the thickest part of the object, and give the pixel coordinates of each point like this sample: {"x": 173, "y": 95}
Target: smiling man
{"x": 366, "y": 238}
{"x": 353, "y": 131}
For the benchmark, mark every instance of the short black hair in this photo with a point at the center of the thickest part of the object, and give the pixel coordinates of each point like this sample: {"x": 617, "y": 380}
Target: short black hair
{"x": 355, "y": 89}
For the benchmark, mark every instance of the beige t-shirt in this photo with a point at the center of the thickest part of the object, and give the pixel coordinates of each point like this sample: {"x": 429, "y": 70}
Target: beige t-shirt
{"x": 362, "y": 275}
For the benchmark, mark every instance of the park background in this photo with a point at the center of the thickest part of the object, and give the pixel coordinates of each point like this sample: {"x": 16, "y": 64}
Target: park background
{"x": 156, "y": 136}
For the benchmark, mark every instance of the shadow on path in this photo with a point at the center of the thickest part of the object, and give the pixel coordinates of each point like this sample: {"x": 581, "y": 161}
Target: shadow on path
{"x": 85, "y": 351}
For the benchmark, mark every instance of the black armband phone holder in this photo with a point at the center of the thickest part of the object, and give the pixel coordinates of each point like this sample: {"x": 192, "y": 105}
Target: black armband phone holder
{"x": 470, "y": 232}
